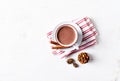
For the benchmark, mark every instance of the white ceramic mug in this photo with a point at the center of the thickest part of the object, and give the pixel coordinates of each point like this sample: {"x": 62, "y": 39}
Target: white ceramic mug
{"x": 71, "y": 28}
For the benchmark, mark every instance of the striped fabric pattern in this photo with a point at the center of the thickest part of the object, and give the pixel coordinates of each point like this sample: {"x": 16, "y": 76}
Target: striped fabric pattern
{"x": 89, "y": 37}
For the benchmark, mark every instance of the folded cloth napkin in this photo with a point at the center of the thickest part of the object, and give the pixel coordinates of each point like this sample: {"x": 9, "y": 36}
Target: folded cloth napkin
{"x": 89, "y": 37}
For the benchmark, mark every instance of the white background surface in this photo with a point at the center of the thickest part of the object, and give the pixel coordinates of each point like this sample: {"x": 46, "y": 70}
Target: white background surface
{"x": 25, "y": 53}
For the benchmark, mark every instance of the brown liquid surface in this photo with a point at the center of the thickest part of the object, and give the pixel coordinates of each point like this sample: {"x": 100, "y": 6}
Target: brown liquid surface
{"x": 66, "y": 35}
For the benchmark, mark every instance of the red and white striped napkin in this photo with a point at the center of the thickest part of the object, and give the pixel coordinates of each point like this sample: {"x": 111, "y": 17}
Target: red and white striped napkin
{"x": 89, "y": 37}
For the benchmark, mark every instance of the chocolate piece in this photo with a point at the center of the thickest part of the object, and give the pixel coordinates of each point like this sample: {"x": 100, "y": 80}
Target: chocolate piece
{"x": 70, "y": 61}
{"x": 75, "y": 65}
{"x": 83, "y": 58}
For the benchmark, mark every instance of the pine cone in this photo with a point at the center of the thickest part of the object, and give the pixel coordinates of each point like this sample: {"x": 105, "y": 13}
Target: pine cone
{"x": 83, "y": 58}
